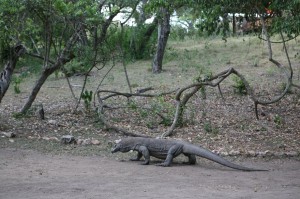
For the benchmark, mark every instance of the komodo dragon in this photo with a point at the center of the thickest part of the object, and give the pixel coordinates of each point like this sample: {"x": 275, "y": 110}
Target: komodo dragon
{"x": 169, "y": 149}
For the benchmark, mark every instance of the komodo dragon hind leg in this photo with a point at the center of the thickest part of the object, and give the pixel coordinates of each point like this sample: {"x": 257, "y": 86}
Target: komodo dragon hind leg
{"x": 192, "y": 159}
{"x": 173, "y": 152}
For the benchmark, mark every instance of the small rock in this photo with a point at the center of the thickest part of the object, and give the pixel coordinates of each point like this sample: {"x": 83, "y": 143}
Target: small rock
{"x": 53, "y": 138}
{"x": 86, "y": 142}
{"x": 67, "y": 139}
{"x": 11, "y": 140}
{"x": 252, "y": 153}
{"x": 216, "y": 151}
{"x": 9, "y": 134}
{"x": 269, "y": 153}
{"x": 291, "y": 154}
{"x": 224, "y": 153}
{"x": 45, "y": 138}
{"x": 279, "y": 154}
{"x": 50, "y": 138}
{"x": 95, "y": 142}
{"x": 261, "y": 154}
{"x": 79, "y": 141}
{"x": 234, "y": 153}
{"x": 52, "y": 122}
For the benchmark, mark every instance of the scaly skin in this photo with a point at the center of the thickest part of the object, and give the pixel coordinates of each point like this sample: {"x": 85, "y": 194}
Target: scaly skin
{"x": 169, "y": 149}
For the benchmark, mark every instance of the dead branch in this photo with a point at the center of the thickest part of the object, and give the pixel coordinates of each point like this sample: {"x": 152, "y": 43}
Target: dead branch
{"x": 143, "y": 90}
{"x": 139, "y": 93}
{"x": 110, "y": 126}
{"x": 181, "y": 103}
{"x": 288, "y": 73}
{"x": 128, "y": 95}
{"x": 279, "y": 42}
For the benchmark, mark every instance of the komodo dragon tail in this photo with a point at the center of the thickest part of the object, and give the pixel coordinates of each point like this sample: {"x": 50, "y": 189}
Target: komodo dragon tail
{"x": 192, "y": 149}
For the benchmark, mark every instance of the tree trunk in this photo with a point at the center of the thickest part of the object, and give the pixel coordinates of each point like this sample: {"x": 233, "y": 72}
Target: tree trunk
{"x": 163, "y": 34}
{"x": 233, "y": 24}
{"x": 6, "y": 74}
{"x": 64, "y": 57}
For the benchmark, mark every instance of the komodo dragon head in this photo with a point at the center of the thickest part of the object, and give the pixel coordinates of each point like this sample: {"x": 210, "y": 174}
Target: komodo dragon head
{"x": 122, "y": 145}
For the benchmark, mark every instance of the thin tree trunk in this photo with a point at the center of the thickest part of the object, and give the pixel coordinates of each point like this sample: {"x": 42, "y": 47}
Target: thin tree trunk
{"x": 6, "y": 74}
{"x": 233, "y": 24}
{"x": 38, "y": 85}
{"x": 142, "y": 45}
{"x": 163, "y": 34}
{"x": 64, "y": 58}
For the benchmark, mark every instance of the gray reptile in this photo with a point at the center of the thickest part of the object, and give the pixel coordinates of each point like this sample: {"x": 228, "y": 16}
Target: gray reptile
{"x": 168, "y": 149}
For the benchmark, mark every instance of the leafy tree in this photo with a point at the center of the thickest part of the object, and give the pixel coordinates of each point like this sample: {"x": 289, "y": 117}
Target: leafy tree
{"x": 58, "y": 31}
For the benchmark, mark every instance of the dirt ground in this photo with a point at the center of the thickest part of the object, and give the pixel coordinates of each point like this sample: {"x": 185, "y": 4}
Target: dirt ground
{"x": 30, "y": 174}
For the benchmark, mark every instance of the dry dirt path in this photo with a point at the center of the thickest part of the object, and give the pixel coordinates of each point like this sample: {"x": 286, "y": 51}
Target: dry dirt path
{"x": 32, "y": 175}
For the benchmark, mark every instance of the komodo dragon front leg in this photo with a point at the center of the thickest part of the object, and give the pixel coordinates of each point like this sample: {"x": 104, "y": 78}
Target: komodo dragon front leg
{"x": 142, "y": 151}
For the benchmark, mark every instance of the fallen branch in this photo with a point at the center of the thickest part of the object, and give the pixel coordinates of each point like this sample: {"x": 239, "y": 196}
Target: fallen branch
{"x": 128, "y": 95}
{"x": 182, "y": 101}
{"x": 110, "y": 126}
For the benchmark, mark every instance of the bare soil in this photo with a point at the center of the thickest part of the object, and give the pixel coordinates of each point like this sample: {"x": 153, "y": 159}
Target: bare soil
{"x": 29, "y": 174}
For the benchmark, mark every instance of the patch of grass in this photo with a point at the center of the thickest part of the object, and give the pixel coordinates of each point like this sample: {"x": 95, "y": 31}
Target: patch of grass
{"x": 87, "y": 97}
{"x": 278, "y": 121}
{"x": 256, "y": 62}
{"x": 209, "y": 128}
{"x": 271, "y": 71}
{"x": 16, "y": 82}
{"x": 239, "y": 86}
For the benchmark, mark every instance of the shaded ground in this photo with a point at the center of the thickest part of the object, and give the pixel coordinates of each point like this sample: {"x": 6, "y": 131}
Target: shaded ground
{"x": 28, "y": 174}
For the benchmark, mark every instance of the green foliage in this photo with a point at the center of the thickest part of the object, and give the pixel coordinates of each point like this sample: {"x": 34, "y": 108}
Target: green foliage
{"x": 239, "y": 86}
{"x": 158, "y": 112}
{"x": 208, "y": 127}
{"x": 178, "y": 33}
{"x": 278, "y": 121}
{"x": 287, "y": 17}
{"x": 16, "y": 82}
{"x": 136, "y": 42}
{"x": 210, "y": 22}
{"x": 87, "y": 97}
{"x": 29, "y": 65}
{"x": 76, "y": 67}
{"x": 19, "y": 115}
{"x": 133, "y": 105}
{"x": 203, "y": 92}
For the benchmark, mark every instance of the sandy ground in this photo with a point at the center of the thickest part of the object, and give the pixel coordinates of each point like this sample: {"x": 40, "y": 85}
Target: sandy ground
{"x": 28, "y": 174}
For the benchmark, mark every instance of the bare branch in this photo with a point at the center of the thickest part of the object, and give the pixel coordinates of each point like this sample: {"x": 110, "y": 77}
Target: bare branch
{"x": 110, "y": 126}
